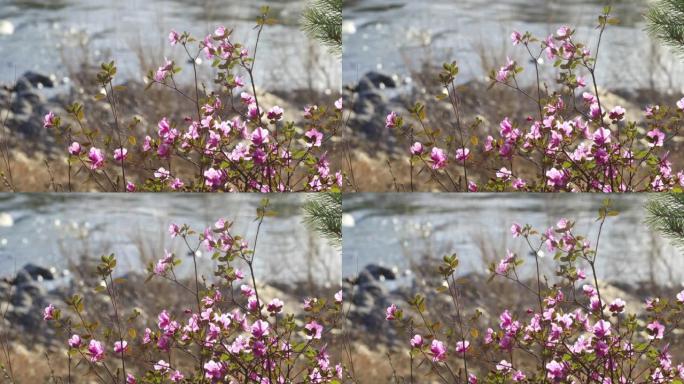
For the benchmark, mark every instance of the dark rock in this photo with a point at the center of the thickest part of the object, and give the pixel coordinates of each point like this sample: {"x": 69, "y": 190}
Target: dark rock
{"x": 35, "y": 271}
{"x": 366, "y": 103}
{"x": 22, "y": 277}
{"x": 22, "y": 85}
{"x": 31, "y": 272}
{"x": 379, "y": 271}
{"x": 375, "y": 80}
{"x": 35, "y": 78}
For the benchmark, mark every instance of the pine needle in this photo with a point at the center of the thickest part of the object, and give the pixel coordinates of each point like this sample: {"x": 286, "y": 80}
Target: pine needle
{"x": 323, "y": 213}
{"x": 322, "y": 20}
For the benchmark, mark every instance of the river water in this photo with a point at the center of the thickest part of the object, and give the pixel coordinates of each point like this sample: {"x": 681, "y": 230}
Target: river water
{"x": 40, "y": 34}
{"x": 47, "y": 229}
{"x": 390, "y": 35}
{"x": 393, "y": 229}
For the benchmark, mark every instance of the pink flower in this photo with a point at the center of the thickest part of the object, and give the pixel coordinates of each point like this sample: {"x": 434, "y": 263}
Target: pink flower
{"x": 555, "y": 371}
{"x": 437, "y": 350}
{"x": 516, "y": 230}
{"x": 176, "y": 376}
{"x": 260, "y": 136}
{"x": 75, "y": 341}
{"x": 657, "y": 138}
{"x": 49, "y": 120}
{"x": 96, "y": 158}
{"x": 617, "y": 113}
{"x": 213, "y": 178}
{"x": 601, "y": 329}
{"x": 130, "y": 187}
{"x": 602, "y": 136}
{"x": 315, "y": 138}
{"x": 95, "y": 351}
{"x": 680, "y": 297}
{"x": 220, "y": 32}
{"x": 391, "y": 120}
{"x": 656, "y": 330}
{"x": 162, "y": 366}
{"x": 563, "y": 32}
{"x": 162, "y": 174}
{"x": 504, "y": 366}
{"x": 49, "y": 312}
{"x": 120, "y": 347}
{"x": 680, "y": 104}
{"x": 246, "y": 98}
{"x": 174, "y": 38}
{"x": 213, "y": 370}
{"x": 516, "y": 37}
{"x": 275, "y": 113}
{"x": 504, "y": 174}
{"x": 617, "y": 306}
{"x": 260, "y": 329}
{"x": 177, "y": 184}
{"x": 338, "y": 104}
{"x": 556, "y": 178}
{"x": 275, "y": 306}
{"x": 314, "y": 330}
{"x": 416, "y": 341}
{"x": 75, "y": 148}
{"x": 588, "y": 98}
{"x": 120, "y": 154}
{"x": 518, "y": 184}
{"x": 438, "y": 158}
{"x": 130, "y": 379}
{"x": 462, "y": 347}
{"x": 417, "y": 148}
{"x": 391, "y": 312}
{"x": 462, "y": 154}
{"x": 595, "y": 111}
{"x": 338, "y": 297}
{"x": 174, "y": 230}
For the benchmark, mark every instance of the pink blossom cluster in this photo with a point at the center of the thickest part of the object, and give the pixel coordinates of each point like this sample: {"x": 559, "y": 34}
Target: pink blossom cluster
{"x": 573, "y": 335}
{"x": 573, "y": 142}
{"x": 232, "y": 143}
{"x": 231, "y": 338}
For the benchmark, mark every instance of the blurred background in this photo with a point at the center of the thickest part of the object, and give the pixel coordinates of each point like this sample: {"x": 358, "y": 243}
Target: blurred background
{"x": 50, "y": 37}
{"x": 57, "y": 232}
{"x": 397, "y": 36}
{"x": 50, "y": 245}
{"x": 393, "y": 245}
{"x": 394, "y": 51}
{"x": 50, "y": 52}
{"x": 403, "y": 231}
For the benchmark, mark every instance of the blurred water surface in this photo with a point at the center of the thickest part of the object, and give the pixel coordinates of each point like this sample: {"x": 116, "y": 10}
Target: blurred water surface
{"x": 390, "y": 35}
{"x": 47, "y": 229}
{"x": 392, "y": 229}
{"x": 44, "y": 32}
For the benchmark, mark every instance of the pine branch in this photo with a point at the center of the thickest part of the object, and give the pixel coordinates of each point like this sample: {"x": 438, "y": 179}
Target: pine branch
{"x": 323, "y": 213}
{"x": 322, "y": 20}
{"x": 666, "y": 215}
{"x": 666, "y": 23}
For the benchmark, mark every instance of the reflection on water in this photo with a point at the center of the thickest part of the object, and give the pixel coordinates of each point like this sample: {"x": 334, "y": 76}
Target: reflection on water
{"x": 390, "y": 35}
{"x": 47, "y": 228}
{"x": 44, "y": 31}
{"x": 391, "y": 229}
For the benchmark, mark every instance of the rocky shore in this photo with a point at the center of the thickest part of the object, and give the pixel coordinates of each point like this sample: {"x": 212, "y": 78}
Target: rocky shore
{"x": 376, "y": 287}
{"x": 376, "y": 94}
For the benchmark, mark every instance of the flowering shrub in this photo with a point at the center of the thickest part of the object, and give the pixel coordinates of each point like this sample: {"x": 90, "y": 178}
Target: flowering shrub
{"x": 236, "y": 337}
{"x": 572, "y": 335}
{"x": 573, "y": 142}
{"x": 232, "y": 143}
